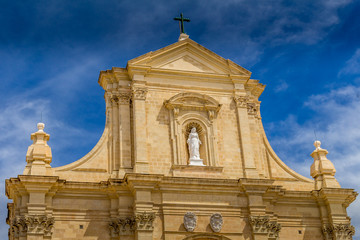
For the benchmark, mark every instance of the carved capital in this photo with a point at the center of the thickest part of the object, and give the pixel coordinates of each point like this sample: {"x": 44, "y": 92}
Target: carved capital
{"x": 124, "y": 98}
{"x": 122, "y": 226}
{"x": 338, "y": 231}
{"x": 34, "y": 224}
{"x": 144, "y": 221}
{"x": 262, "y": 224}
{"x": 241, "y": 101}
{"x": 139, "y": 93}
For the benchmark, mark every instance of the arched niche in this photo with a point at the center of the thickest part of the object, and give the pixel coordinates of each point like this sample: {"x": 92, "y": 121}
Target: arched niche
{"x": 193, "y": 109}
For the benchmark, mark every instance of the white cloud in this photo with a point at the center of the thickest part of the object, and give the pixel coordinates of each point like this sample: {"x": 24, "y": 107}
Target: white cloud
{"x": 352, "y": 66}
{"x": 335, "y": 118}
{"x": 258, "y": 24}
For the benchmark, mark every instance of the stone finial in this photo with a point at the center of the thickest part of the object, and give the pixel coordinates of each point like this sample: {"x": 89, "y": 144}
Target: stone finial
{"x": 183, "y": 36}
{"x": 322, "y": 170}
{"x": 38, "y": 156}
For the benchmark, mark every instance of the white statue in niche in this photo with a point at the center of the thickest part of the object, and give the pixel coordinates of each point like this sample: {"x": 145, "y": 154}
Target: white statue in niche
{"x": 194, "y": 142}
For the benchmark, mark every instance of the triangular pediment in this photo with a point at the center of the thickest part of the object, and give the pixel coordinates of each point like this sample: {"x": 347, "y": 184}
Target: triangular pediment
{"x": 188, "y": 56}
{"x": 187, "y": 63}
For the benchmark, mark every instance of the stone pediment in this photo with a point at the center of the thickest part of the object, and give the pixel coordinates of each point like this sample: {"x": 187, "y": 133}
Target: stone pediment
{"x": 187, "y": 63}
{"x": 194, "y": 101}
{"x": 187, "y": 56}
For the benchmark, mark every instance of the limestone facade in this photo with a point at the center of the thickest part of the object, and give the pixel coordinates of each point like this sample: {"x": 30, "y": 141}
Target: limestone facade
{"x": 136, "y": 183}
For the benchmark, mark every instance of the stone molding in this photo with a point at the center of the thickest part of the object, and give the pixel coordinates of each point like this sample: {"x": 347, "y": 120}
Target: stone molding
{"x": 33, "y": 224}
{"x": 263, "y": 225}
{"x": 122, "y": 226}
{"x": 338, "y": 231}
{"x": 139, "y": 93}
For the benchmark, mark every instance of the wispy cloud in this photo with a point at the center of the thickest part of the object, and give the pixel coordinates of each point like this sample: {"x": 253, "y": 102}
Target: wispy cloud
{"x": 352, "y": 66}
{"x": 335, "y": 119}
{"x": 258, "y": 24}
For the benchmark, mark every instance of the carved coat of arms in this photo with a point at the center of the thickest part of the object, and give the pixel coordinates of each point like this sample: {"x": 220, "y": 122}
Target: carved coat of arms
{"x": 190, "y": 221}
{"x": 216, "y": 222}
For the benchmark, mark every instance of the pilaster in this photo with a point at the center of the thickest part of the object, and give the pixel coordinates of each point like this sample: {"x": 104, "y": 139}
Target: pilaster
{"x": 139, "y": 92}
{"x": 33, "y": 197}
{"x": 264, "y": 227}
{"x": 142, "y": 187}
{"x": 248, "y": 158}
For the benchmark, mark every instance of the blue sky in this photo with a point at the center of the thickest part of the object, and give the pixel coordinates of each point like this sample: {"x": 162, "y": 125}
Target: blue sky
{"x": 306, "y": 52}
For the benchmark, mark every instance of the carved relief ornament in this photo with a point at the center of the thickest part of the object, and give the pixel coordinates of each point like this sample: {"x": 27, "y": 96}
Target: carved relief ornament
{"x": 338, "y": 231}
{"x": 36, "y": 224}
{"x": 127, "y": 225}
{"x": 216, "y": 222}
{"x": 122, "y": 226}
{"x": 120, "y": 97}
{"x": 262, "y": 224}
{"x": 190, "y": 220}
{"x": 251, "y": 106}
{"x": 144, "y": 221}
{"x": 139, "y": 93}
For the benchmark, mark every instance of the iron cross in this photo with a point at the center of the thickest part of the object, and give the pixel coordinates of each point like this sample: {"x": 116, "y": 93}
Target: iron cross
{"x": 182, "y": 20}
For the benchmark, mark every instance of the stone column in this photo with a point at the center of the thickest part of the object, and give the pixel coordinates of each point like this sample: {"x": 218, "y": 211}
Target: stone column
{"x": 141, "y": 164}
{"x": 247, "y": 151}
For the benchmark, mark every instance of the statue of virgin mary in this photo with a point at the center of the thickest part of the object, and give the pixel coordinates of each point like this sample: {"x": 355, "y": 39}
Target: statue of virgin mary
{"x": 194, "y": 142}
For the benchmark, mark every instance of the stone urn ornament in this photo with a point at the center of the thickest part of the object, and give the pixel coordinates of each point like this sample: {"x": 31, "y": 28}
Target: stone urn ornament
{"x": 190, "y": 221}
{"x": 216, "y": 222}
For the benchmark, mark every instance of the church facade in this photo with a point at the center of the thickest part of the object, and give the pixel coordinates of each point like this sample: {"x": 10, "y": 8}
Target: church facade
{"x": 183, "y": 156}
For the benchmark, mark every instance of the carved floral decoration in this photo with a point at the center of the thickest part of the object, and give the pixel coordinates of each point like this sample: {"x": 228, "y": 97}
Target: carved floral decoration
{"x": 139, "y": 93}
{"x": 35, "y": 224}
{"x": 127, "y": 225}
{"x": 122, "y": 226}
{"x": 144, "y": 221}
{"x": 338, "y": 231}
{"x": 262, "y": 224}
{"x": 251, "y": 106}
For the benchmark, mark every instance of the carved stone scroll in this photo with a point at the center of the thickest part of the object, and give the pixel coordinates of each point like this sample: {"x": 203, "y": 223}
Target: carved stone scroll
{"x": 262, "y": 224}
